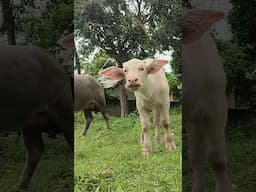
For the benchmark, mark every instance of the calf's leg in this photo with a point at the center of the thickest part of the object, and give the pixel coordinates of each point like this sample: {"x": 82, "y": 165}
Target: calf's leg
{"x": 196, "y": 151}
{"x": 216, "y": 155}
{"x": 169, "y": 142}
{"x": 145, "y": 123}
{"x": 157, "y": 122}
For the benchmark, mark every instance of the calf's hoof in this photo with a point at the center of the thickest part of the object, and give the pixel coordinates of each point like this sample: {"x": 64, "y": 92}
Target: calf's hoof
{"x": 146, "y": 152}
{"x": 170, "y": 145}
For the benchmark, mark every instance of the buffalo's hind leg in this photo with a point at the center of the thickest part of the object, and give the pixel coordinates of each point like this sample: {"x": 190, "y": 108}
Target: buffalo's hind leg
{"x": 88, "y": 118}
{"x": 106, "y": 120}
{"x": 68, "y": 132}
{"x": 34, "y": 148}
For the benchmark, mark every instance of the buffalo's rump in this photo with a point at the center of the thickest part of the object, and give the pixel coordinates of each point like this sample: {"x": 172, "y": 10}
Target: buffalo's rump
{"x": 31, "y": 83}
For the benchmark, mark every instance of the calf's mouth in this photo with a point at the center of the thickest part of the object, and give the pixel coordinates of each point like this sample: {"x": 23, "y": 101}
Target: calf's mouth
{"x": 133, "y": 87}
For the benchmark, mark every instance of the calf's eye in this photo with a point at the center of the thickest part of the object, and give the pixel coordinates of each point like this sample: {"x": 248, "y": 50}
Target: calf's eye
{"x": 141, "y": 69}
{"x": 125, "y": 70}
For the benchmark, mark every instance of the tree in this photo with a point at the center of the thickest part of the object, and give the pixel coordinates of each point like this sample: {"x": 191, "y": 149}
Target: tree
{"x": 46, "y": 29}
{"x": 27, "y": 22}
{"x": 174, "y": 84}
{"x": 8, "y": 21}
{"x": 43, "y": 27}
{"x": 235, "y": 65}
{"x": 242, "y": 23}
{"x": 96, "y": 64}
{"x": 109, "y": 26}
{"x": 125, "y": 30}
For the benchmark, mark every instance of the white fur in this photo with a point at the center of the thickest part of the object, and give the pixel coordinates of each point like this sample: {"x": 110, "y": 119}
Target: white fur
{"x": 205, "y": 111}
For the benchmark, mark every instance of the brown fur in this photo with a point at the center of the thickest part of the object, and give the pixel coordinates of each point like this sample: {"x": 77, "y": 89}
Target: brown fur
{"x": 35, "y": 97}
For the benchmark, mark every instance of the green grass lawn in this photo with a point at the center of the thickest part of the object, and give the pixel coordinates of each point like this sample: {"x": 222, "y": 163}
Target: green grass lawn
{"x": 241, "y": 152}
{"x": 55, "y": 170}
{"x": 112, "y": 161}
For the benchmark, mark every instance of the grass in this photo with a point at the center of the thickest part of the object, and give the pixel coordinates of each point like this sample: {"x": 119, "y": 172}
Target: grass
{"x": 112, "y": 161}
{"x": 54, "y": 172}
{"x": 241, "y": 152}
{"x": 241, "y": 144}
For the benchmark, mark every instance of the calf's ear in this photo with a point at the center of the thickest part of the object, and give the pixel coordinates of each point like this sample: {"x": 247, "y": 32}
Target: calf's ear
{"x": 156, "y": 65}
{"x": 67, "y": 41}
{"x": 196, "y": 22}
{"x": 113, "y": 72}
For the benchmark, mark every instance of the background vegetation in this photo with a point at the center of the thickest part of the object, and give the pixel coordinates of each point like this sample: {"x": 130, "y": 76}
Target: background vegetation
{"x": 123, "y": 30}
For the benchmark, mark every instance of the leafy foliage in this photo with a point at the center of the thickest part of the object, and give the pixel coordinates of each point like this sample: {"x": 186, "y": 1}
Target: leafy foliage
{"x": 128, "y": 29}
{"x": 164, "y": 23}
{"x": 95, "y": 66}
{"x": 41, "y": 23}
{"x": 242, "y": 23}
{"x": 174, "y": 84}
{"x": 234, "y": 61}
{"x": 125, "y": 30}
{"x": 55, "y": 20}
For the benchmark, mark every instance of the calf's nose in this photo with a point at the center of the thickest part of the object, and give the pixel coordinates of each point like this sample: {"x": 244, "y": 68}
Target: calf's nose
{"x": 133, "y": 81}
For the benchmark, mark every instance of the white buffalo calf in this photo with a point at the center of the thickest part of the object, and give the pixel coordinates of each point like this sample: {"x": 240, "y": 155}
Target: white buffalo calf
{"x": 204, "y": 104}
{"x": 148, "y": 81}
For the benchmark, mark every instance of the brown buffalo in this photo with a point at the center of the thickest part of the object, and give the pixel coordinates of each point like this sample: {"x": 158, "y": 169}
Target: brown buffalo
{"x": 35, "y": 97}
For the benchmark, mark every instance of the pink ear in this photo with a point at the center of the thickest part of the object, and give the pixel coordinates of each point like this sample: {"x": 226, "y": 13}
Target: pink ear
{"x": 67, "y": 41}
{"x": 113, "y": 72}
{"x": 156, "y": 65}
{"x": 198, "y": 21}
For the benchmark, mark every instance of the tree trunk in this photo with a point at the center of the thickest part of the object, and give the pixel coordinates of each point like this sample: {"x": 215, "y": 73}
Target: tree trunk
{"x": 122, "y": 91}
{"x": 123, "y": 100}
{"x": 9, "y": 21}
